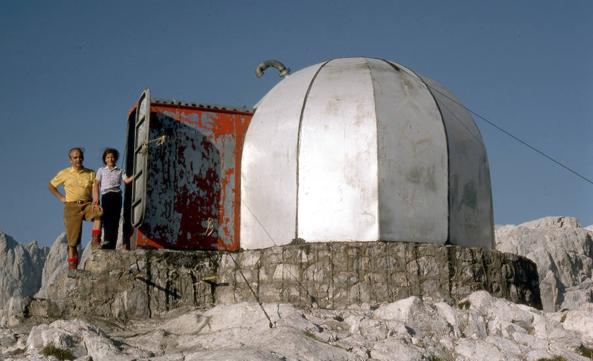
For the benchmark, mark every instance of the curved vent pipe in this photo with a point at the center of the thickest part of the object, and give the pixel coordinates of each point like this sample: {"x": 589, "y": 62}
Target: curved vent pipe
{"x": 259, "y": 70}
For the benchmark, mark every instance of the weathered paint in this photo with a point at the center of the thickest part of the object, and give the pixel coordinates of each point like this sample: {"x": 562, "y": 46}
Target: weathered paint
{"x": 193, "y": 178}
{"x": 358, "y": 149}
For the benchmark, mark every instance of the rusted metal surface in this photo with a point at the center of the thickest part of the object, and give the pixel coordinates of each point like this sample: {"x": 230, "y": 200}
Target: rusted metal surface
{"x": 193, "y": 177}
{"x": 357, "y": 149}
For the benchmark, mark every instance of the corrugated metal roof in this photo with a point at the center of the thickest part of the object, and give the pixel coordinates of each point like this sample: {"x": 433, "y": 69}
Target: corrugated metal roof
{"x": 243, "y": 109}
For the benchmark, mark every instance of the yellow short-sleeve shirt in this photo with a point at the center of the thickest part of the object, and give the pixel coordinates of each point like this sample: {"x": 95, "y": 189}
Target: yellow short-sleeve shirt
{"x": 78, "y": 184}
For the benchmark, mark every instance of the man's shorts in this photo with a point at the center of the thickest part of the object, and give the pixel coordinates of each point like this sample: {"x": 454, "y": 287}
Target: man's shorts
{"x": 74, "y": 213}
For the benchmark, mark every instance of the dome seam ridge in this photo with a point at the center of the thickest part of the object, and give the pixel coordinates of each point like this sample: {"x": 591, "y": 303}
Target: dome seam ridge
{"x": 376, "y": 116}
{"x": 298, "y": 150}
{"x": 449, "y": 241}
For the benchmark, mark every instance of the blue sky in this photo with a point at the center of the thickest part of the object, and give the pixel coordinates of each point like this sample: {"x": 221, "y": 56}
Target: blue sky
{"x": 70, "y": 70}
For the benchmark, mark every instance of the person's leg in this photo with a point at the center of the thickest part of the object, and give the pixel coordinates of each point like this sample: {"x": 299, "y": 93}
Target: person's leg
{"x": 96, "y": 232}
{"x": 73, "y": 222}
{"x": 93, "y": 213}
{"x": 111, "y": 212}
{"x": 96, "y": 236}
{"x": 72, "y": 257}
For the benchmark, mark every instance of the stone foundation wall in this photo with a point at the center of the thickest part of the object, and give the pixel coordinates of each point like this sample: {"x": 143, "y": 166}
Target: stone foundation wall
{"x": 138, "y": 284}
{"x": 336, "y": 275}
{"x": 145, "y": 283}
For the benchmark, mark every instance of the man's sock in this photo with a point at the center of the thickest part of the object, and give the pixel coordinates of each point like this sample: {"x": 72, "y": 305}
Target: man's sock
{"x": 96, "y": 238}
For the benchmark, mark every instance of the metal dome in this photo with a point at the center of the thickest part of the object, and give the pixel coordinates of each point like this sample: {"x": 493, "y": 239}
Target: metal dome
{"x": 360, "y": 149}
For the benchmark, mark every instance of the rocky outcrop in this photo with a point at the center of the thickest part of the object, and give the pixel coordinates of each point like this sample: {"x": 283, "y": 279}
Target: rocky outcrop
{"x": 81, "y": 339}
{"x": 563, "y": 252}
{"x": 479, "y": 327}
{"x": 55, "y": 264}
{"x": 20, "y": 276}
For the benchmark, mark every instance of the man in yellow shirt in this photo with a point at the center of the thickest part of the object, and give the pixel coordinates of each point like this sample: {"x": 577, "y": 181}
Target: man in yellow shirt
{"x": 78, "y": 203}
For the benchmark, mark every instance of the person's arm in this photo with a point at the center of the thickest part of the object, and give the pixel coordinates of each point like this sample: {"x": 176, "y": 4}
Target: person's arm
{"x": 128, "y": 180}
{"x": 96, "y": 187}
{"x": 53, "y": 190}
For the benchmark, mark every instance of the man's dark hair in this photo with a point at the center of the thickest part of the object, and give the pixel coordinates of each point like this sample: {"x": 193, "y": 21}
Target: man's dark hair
{"x": 110, "y": 151}
{"x": 81, "y": 150}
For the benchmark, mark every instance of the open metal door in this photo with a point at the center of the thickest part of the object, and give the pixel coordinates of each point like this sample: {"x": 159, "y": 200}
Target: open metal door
{"x": 141, "y": 133}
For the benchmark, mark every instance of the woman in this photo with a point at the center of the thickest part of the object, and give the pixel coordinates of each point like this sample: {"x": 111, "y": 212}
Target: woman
{"x": 108, "y": 182}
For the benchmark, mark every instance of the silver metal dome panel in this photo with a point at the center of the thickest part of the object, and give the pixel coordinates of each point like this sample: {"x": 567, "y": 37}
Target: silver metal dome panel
{"x": 363, "y": 149}
{"x": 470, "y": 195}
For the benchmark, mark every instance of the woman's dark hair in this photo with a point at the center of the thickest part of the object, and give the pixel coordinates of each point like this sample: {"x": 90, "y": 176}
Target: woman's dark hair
{"x": 110, "y": 151}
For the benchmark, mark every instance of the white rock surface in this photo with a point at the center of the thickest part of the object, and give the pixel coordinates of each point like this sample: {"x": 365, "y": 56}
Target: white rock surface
{"x": 56, "y": 263}
{"x": 563, "y": 253}
{"x": 581, "y": 320}
{"x": 481, "y": 328}
{"x": 20, "y": 276}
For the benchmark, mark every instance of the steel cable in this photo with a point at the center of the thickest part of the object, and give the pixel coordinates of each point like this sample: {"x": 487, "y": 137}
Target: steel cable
{"x": 533, "y": 148}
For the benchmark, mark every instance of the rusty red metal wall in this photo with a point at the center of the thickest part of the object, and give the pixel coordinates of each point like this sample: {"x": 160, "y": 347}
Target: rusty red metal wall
{"x": 193, "y": 178}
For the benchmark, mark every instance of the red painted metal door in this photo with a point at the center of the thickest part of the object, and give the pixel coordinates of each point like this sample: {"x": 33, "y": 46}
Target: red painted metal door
{"x": 192, "y": 177}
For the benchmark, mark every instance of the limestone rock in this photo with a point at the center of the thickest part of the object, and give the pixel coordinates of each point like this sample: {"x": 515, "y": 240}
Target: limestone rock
{"x": 7, "y": 338}
{"x": 576, "y": 296}
{"x": 11, "y": 343}
{"x": 480, "y": 327}
{"x": 238, "y": 332}
{"x": 563, "y": 253}
{"x": 80, "y": 337}
{"x": 55, "y": 264}
{"x": 581, "y": 320}
{"x": 414, "y": 313}
{"x": 20, "y": 276}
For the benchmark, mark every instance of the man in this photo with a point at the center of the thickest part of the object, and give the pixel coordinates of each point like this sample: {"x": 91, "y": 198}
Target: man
{"x": 78, "y": 184}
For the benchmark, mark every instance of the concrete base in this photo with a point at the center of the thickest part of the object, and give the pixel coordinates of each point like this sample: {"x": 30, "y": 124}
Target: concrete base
{"x": 146, "y": 283}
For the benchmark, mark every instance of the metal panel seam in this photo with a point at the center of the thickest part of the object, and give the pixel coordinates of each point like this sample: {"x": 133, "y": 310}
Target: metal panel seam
{"x": 448, "y": 241}
{"x": 479, "y": 139}
{"x": 298, "y": 150}
{"x": 379, "y": 223}
{"x": 492, "y": 238}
